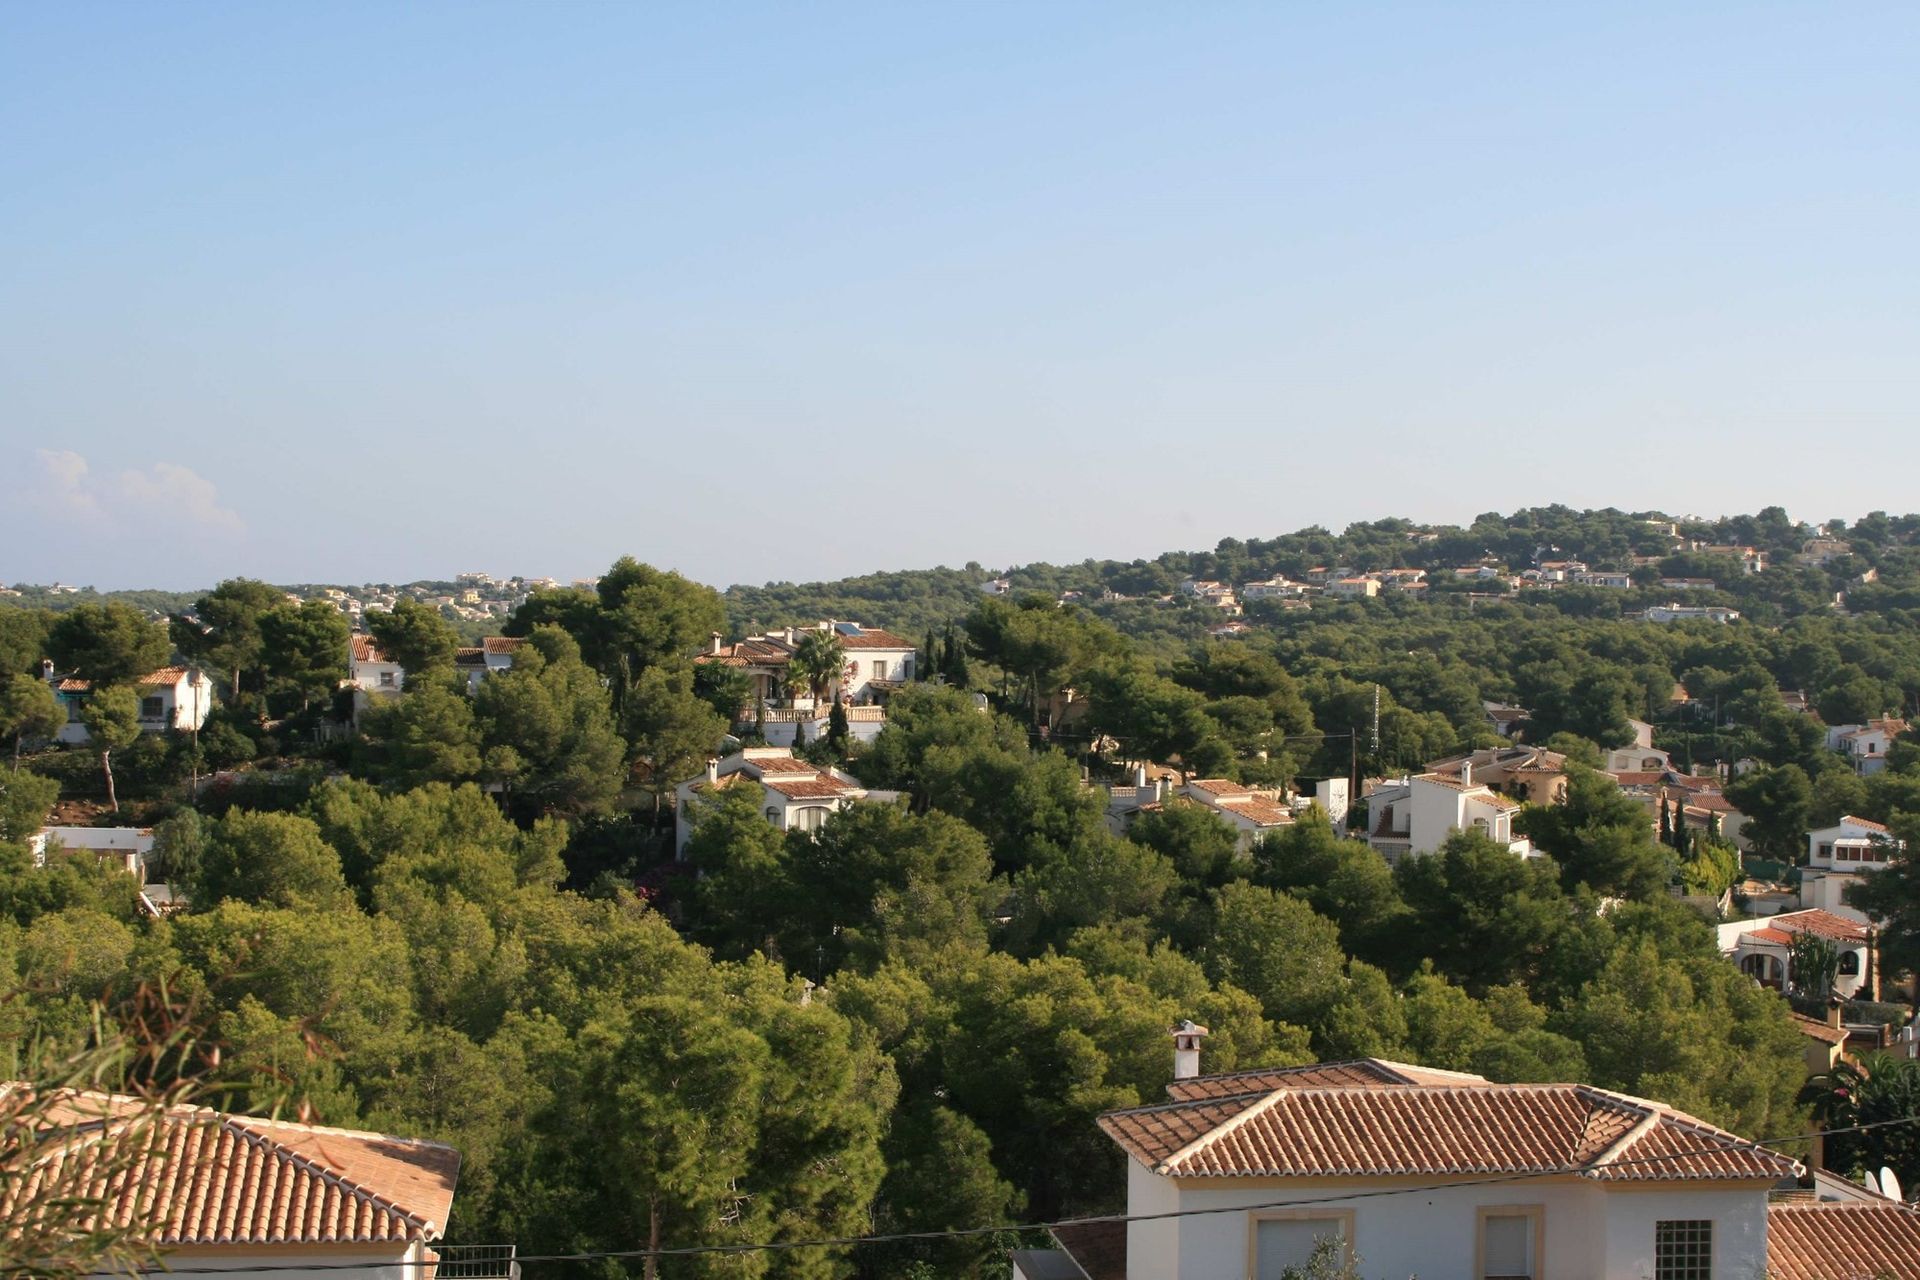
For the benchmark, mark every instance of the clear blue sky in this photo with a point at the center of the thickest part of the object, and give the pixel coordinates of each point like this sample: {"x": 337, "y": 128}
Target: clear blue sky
{"x": 358, "y": 292}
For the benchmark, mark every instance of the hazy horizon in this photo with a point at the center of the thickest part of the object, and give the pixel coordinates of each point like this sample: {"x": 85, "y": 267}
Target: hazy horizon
{"x": 359, "y": 294}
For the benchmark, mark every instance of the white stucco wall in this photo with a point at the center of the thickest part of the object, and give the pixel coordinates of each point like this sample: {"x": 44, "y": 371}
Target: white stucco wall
{"x": 1591, "y": 1232}
{"x": 374, "y": 1262}
{"x": 1153, "y": 1248}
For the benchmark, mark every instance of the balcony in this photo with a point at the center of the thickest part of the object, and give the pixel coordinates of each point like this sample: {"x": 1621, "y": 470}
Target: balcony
{"x": 473, "y": 1262}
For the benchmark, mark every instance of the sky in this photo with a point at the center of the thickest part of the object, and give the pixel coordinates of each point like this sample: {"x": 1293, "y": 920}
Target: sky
{"x": 368, "y": 292}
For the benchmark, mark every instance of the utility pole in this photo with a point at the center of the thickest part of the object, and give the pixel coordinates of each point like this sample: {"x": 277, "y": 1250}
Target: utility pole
{"x": 1376, "y": 722}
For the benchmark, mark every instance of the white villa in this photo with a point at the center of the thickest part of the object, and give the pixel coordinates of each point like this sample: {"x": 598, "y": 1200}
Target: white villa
{"x": 794, "y": 795}
{"x": 1448, "y": 1176}
{"x": 1763, "y": 948}
{"x": 877, "y": 663}
{"x": 171, "y": 698}
{"x": 371, "y": 671}
{"x": 1865, "y": 745}
{"x": 1417, "y": 814}
{"x": 1836, "y": 857}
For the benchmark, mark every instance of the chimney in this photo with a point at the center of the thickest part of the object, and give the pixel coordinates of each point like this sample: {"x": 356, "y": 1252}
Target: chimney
{"x": 1161, "y": 787}
{"x": 46, "y": 670}
{"x": 713, "y": 772}
{"x": 1834, "y": 1005}
{"x": 790, "y": 639}
{"x": 1139, "y": 775}
{"x": 1466, "y": 771}
{"x": 713, "y": 642}
{"x": 1186, "y": 1049}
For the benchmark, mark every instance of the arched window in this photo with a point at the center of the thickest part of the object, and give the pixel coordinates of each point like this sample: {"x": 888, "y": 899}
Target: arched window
{"x": 773, "y": 814}
{"x": 811, "y": 818}
{"x": 1849, "y": 964}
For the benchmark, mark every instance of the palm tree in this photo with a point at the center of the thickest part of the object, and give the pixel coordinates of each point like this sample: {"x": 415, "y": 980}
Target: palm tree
{"x": 819, "y": 659}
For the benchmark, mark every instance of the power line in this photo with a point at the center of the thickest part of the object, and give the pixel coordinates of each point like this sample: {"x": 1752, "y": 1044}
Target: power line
{"x": 963, "y": 1233}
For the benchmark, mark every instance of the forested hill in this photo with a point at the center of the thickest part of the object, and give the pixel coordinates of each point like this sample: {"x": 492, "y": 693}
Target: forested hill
{"x": 1884, "y": 547}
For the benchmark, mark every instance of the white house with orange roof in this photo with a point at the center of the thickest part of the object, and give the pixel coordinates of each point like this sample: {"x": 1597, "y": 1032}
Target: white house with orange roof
{"x": 876, "y": 663}
{"x": 248, "y": 1198}
{"x": 794, "y": 795}
{"x": 1763, "y": 948}
{"x": 371, "y": 671}
{"x": 172, "y": 699}
{"x": 1417, "y": 814}
{"x": 1410, "y": 1171}
{"x": 1837, "y": 856}
{"x": 1865, "y": 745}
{"x": 1252, "y": 813}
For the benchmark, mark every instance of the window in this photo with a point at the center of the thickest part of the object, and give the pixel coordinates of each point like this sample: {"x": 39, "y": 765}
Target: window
{"x": 811, "y": 818}
{"x": 1826, "y": 851}
{"x": 386, "y": 679}
{"x": 1850, "y": 964}
{"x": 1510, "y": 1242}
{"x": 1683, "y": 1249}
{"x": 1287, "y": 1239}
{"x": 152, "y": 708}
{"x": 879, "y": 668}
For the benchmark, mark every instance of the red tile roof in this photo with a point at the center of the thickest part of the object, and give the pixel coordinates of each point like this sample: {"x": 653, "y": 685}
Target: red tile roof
{"x": 159, "y": 677}
{"x": 1858, "y": 1240}
{"x": 201, "y": 1177}
{"x": 818, "y": 788}
{"x": 1436, "y": 1128}
{"x": 1850, "y": 820}
{"x": 1824, "y": 923}
{"x": 497, "y": 645}
{"x": 873, "y": 638}
{"x": 1367, "y": 1073}
{"x": 780, "y": 764}
{"x": 1634, "y": 778}
{"x": 1219, "y": 787}
{"x": 364, "y": 649}
{"x": 1818, "y": 1030}
{"x": 1259, "y": 811}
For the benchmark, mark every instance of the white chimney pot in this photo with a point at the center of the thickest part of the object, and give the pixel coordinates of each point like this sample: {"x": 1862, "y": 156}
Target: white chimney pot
{"x": 1186, "y": 1049}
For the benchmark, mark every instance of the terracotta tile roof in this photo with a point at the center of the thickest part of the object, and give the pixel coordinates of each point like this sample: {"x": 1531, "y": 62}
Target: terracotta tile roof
{"x": 469, "y": 656}
{"x": 159, "y": 677}
{"x": 1777, "y": 936}
{"x": 780, "y": 764}
{"x": 1635, "y": 778}
{"x": 1365, "y": 1073}
{"x": 497, "y": 645}
{"x": 1099, "y": 1249}
{"x": 1260, "y": 811}
{"x": 364, "y": 649}
{"x": 1847, "y": 1241}
{"x": 1220, "y": 787}
{"x": 818, "y": 788}
{"x": 201, "y": 1177}
{"x": 1447, "y": 780}
{"x": 1824, "y": 923}
{"x": 874, "y": 638}
{"x": 1850, "y": 820}
{"x": 1443, "y": 1128}
{"x": 1815, "y": 1029}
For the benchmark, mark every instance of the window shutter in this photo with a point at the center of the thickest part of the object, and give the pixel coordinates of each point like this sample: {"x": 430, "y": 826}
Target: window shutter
{"x": 1507, "y": 1246}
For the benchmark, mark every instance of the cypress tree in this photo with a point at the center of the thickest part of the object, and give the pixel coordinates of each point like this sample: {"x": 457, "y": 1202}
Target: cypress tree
{"x": 1666, "y": 822}
{"x": 931, "y": 662}
{"x": 837, "y": 728}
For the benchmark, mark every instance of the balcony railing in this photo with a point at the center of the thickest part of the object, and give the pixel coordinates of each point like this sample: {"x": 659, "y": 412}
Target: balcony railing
{"x": 474, "y": 1262}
